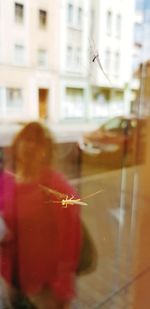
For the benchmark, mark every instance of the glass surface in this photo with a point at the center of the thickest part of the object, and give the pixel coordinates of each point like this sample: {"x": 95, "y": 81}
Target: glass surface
{"x": 75, "y": 155}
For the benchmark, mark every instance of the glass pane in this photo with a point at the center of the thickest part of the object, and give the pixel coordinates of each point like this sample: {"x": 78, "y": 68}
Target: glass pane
{"x": 42, "y": 18}
{"x": 75, "y": 155}
{"x": 19, "y": 12}
{"x": 112, "y": 124}
{"x": 19, "y": 54}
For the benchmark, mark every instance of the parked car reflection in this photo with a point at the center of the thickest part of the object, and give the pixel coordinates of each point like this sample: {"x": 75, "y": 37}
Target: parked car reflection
{"x": 121, "y": 139}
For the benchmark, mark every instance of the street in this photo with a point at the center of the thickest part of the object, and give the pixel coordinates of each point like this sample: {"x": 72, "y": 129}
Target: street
{"x": 108, "y": 220}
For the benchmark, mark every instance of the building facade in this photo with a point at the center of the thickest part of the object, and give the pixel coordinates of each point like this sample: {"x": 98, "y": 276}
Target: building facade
{"x": 89, "y": 91}
{"x": 74, "y": 69}
{"x": 48, "y": 59}
{"x": 113, "y": 30}
{"x": 29, "y": 45}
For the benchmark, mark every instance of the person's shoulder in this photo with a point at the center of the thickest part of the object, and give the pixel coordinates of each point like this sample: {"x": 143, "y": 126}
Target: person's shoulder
{"x": 59, "y": 182}
{"x": 58, "y": 176}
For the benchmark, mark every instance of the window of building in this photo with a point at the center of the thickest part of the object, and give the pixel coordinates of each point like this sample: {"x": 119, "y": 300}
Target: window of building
{"x": 42, "y": 18}
{"x": 69, "y": 56}
{"x": 116, "y": 63}
{"x": 135, "y": 62}
{"x": 78, "y": 57}
{"x": 79, "y": 17}
{"x": 14, "y": 98}
{"x": 74, "y": 102}
{"x": 139, "y": 5}
{"x": 19, "y": 12}
{"x": 70, "y": 13}
{"x": 19, "y": 56}
{"x": 118, "y": 26}
{"x": 92, "y": 23}
{"x": 107, "y": 60}
{"x": 42, "y": 57}
{"x": 74, "y": 94}
{"x": 109, "y": 22}
{"x": 138, "y": 33}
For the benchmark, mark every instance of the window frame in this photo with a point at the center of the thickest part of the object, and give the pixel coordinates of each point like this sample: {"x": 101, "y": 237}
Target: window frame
{"x": 118, "y": 25}
{"x": 19, "y": 19}
{"x": 79, "y": 16}
{"x": 109, "y": 22}
{"x": 70, "y": 15}
{"x": 69, "y": 56}
{"x": 16, "y": 106}
{"x": 22, "y": 47}
{"x": 42, "y": 20}
{"x": 45, "y": 63}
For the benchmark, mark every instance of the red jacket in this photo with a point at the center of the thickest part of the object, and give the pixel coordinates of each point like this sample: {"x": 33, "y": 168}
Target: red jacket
{"x": 45, "y": 240}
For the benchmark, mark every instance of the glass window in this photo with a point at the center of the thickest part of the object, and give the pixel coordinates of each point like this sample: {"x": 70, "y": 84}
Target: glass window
{"x": 78, "y": 56}
{"x": 14, "y": 98}
{"x": 109, "y": 22}
{"x": 42, "y": 18}
{"x": 135, "y": 63}
{"x": 92, "y": 24}
{"x": 19, "y": 57}
{"x": 19, "y": 12}
{"x": 42, "y": 57}
{"x": 118, "y": 26}
{"x": 107, "y": 60}
{"x": 74, "y": 106}
{"x": 139, "y": 4}
{"x": 74, "y": 94}
{"x": 79, "y": 16}
{"x": 112, "y": 124}
{"x": 69, "y": 55}
{"x": 116, "y": 63}
{"x": 138, "y": 33}
{"x": 100, "y": 145}
{"x": 70, "y": 13}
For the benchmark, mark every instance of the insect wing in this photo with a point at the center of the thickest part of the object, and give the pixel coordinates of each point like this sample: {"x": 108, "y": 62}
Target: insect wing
{"x": 54, "y": 192}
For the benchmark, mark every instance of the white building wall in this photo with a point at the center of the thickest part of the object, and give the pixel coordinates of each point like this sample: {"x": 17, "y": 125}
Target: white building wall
{"x": 27, "y": 75}
{"x": 74, "y": 77}
{"x": 123, "y": 45}
{"x": 95, "y": 38}
{"x": 119, "y": 76}
{"x": 56, "y": 76}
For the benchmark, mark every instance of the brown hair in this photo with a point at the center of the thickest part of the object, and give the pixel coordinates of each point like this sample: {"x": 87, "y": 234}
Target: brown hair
{"x": 32, "y": 150}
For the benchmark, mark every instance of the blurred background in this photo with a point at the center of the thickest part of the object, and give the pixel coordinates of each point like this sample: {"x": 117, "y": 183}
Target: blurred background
{"x": 82, "y": 67}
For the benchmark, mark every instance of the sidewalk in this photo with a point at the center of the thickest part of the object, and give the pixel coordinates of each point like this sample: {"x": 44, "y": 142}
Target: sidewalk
{"x": 113, "y": 284}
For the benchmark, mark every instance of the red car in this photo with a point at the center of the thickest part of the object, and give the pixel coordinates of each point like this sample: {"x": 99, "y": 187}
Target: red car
{"x": 124, "y": 135}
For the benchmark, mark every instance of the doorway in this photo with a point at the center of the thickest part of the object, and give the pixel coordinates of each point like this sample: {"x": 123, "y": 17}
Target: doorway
{"x": 43, "y": 103}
